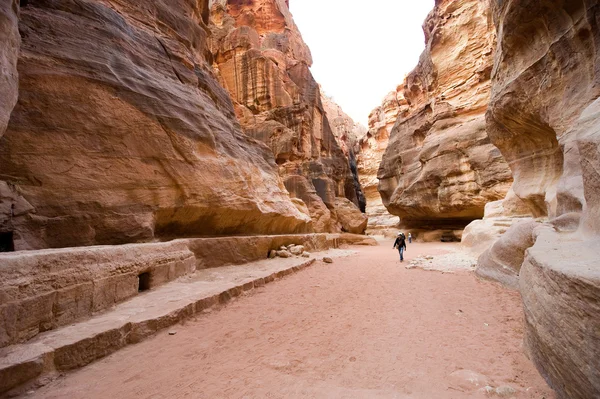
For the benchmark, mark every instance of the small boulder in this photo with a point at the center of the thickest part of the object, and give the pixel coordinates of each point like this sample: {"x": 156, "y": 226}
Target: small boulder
{"x": 327, "y": 260}
{"x": 291, "y": 246}
{"x": 505, "y": 391}
{"x": 297, "y": 249}
{"x": 284, "y": 254}
{"x": 283, "y": 248}
{"x": 272, "y": 254}
{"x": 306, "y": 254}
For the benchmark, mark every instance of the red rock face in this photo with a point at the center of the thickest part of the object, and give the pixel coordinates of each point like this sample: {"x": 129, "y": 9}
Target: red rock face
{"x": 264, "y": 64}
{"x": 122, "y": 133}
{"x": 440, "y": 168}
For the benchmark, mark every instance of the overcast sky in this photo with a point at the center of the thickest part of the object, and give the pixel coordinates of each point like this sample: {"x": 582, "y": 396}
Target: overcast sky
{"x": 361, "y": 49}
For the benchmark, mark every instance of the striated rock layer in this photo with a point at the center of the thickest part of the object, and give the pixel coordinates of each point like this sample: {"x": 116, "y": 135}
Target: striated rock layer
{"x": 122, "y": 134}
{"x": 544, "y": 115}
{"x": 264, "y": 64}
{"x": 372, "y": 146}
{"x": 440, "y": 168}
{"x": 9, "y": 53}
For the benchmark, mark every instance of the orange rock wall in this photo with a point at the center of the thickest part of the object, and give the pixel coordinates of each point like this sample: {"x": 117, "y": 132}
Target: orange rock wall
{"x": 122, "y": 133}
{"x": 263, "y": 62}
{"x": 440, "y": 168}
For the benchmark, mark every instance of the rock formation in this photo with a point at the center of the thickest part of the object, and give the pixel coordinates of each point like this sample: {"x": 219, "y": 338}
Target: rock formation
{"x": 121, "y": 133}
{"x": 9, "y": 52}
{"x": 544, "y": 115}
{"x": 264, "y": 64}
{"x": 440, "y": 168}
{"x": 372, "y": 145}
{"x": 346, "y": 131}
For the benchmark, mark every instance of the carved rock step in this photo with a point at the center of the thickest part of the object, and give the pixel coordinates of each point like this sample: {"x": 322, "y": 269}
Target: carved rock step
{"x": 130, "y": 322}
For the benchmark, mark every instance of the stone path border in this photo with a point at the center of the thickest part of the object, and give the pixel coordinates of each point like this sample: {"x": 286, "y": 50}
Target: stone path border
{"x": 132, "y": 321}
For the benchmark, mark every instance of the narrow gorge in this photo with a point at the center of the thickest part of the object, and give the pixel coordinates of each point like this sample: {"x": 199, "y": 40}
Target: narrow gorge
{"x": 158, "y": 160}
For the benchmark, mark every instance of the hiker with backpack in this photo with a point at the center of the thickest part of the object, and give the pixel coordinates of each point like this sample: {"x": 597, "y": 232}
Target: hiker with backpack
{"x": 400, "y": 243}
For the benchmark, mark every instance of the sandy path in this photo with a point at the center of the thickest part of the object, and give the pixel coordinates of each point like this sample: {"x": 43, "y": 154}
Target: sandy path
{"x": 362, "y": 327}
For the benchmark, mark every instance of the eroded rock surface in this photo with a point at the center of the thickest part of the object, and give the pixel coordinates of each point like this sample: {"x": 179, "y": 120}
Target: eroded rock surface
{"x": 544, "y": 115}
{"x": 440, "y": 168}
{"x": 121, "y": 132}
{"x": 9, "y": 52}
{"x": 264, "y": 64}
{"x": 372, "y": 145}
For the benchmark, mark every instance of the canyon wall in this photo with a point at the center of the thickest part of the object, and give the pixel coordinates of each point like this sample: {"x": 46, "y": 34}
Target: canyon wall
{"x": 372, "y": 146}
{"x": 122, "y": 133}
{"x": 544, "y": 116}
{"x": 263, "y": 62}
{"x": 440, "y": 168}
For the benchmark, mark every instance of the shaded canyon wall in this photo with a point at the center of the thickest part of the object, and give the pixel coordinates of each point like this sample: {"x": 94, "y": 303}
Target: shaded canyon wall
{"x": 122, "y": 133}
{"x": 440, "y": 169}
{"x": 263, "y": 62}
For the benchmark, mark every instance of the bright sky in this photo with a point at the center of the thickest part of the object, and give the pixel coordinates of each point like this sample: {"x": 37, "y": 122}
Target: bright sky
{"x": 361, "y": 50}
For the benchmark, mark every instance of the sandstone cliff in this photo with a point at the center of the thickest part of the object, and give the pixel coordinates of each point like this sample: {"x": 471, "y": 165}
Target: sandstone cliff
{"x": 440, "y": 168}
{"x": 346, "y": 131}
{"x": 121, "y": 133}
{"x": 544, "y": 115}
{"x": 264, "y": 64}
{"x": 372, "y": 146}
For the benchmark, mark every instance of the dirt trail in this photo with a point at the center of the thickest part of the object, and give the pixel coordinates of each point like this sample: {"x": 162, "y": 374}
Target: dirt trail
{"x": 362, "y": 327}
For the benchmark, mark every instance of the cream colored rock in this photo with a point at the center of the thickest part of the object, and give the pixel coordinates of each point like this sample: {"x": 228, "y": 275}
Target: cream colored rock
{"x": 284, "y": 254}
{"x": 560, "y": 287}
{"x": 502, "y": 261}
{"x": 122, "y": 133}
{"x": 297, "y": 250}
{"x": 357, "y": 239}
{"x": 544, "y": 117}
{"x": 499, "y": 216}
{"x": 439, "y": 168}
{"x": 371, "y": 148}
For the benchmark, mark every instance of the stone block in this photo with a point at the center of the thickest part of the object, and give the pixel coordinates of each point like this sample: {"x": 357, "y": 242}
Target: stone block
{"x": 72, "y": 303}
{"x": 111, "y": 290}
{"x": 84, "y": 351}
{"x": 8, "y": 324}
{"x": 34, "y": 315}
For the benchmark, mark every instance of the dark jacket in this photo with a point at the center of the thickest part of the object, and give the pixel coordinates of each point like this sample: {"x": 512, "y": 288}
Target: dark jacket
{"x": 400, "y": 242}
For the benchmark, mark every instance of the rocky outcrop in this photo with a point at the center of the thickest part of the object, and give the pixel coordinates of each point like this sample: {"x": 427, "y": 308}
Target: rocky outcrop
{"x": 544, "y": 115}
{"x": 347, "y": 134}
{"x": 264, "y": 64}
{"x": 440, "y": 168}
{"x": 372, "y": 145}
{"x": 346, "y": 131}
{"x": 122, "y": 134}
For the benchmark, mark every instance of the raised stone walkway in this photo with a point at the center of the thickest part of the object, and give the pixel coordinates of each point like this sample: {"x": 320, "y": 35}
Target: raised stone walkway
{"x": 130, "y": 322}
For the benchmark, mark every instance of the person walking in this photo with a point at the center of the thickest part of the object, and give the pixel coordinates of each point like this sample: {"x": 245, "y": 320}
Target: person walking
{"x": 400, "y": 243}
{"x": 409, "y": 238}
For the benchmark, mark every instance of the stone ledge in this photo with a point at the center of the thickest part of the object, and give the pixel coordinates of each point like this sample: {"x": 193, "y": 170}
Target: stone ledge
{"x": 132, "y": 321}
{"x": 44, "y": 290}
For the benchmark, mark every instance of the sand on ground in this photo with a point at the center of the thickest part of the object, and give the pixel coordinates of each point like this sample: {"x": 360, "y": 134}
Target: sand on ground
{"x": 361, "y": 327}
